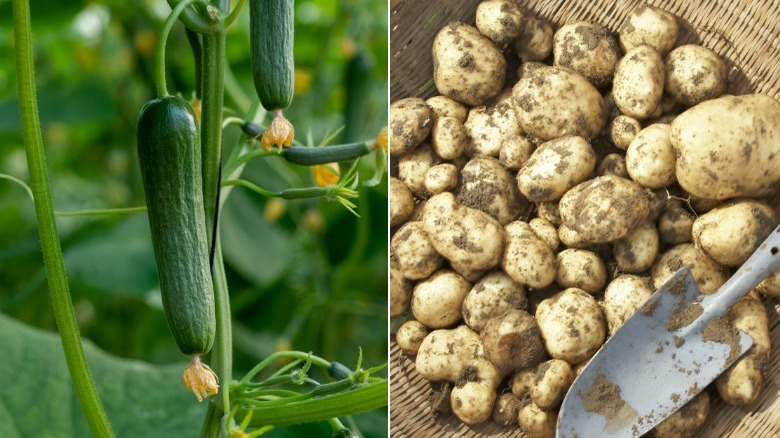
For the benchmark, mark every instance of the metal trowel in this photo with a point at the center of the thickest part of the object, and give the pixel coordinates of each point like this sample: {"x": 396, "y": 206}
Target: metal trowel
{"x": 667, "y": 352}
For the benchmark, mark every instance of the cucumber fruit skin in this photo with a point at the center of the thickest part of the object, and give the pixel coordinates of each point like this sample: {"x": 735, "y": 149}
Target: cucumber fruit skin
{"x": 169, "y": 155}
{"x": 271, "y": 30}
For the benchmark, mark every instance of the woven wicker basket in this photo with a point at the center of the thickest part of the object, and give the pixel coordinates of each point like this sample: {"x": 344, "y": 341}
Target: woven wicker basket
{"x": 745, "y": 33}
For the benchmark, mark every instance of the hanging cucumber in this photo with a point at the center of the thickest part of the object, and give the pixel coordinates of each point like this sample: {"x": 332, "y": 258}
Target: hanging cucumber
{"x": 271, "y": 30}
{"x": 169, "y": 156}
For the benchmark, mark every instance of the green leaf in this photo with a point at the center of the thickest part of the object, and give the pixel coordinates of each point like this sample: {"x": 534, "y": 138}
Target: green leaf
{"x": 37, "y": 399}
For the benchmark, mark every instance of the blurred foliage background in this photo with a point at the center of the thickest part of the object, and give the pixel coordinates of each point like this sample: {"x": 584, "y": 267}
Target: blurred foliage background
{"x": 305, "y": 275}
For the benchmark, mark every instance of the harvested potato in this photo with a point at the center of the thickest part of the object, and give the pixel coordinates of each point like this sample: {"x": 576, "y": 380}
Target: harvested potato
{"x": 416, "y": 256}
{"x": 623, "y": 297}
{"x": 441, "y": 178}
{"x": 461, "y": 234}
{"x": 535, "y": 40}
{"x": 512, "y": 341}
{"x": 522, "y": 384}
{"x": 448, "y": 137}
{"x": 771, "y": 285}
{"x": 676, "y": 224}
{"x": 400, "y": 289}
{"x": 436, "y": 301}
{"x": 582, "y": 269}
{"x": 589, "y": 49}
{"x": 717, "y": 140}
{"x": 639, "y": 82}
{"x": 571, "y": 238}
{"x": 499, "y": 20}
{"x": 413, "y": 166}
{"x": 648, "y": 25}
{"x": 612, "y": 164}
{"x": 443, "y": 106}
{"x": 515, "y": 152}
{"x": 527, "y": 259}
{"x": 571, "y": 336}
{"x": 506, "y": 409}
{"x": 410, "y": 336}
{"x": 685, "y": 422}
{"x": 411, "y": 121}
{"x": 623, "y": 129}
{"x": 537, "y": 423}
{"x": 467, "y": 66}
{"x": 636, "y": 252}
{"x": 527, "y": 67}
{"x": 488, "y": 187}
{"x": 603, "y": 209}
{"x": 708, "y": 274}
{"x": 489, "y": 126}
{"x": 555, "y": 167}
{"x": 494, "y": 295}
{"x": 553, "y": 102}
{"x": 549, "y": 211}
{"x": 729, "y": 234}
{"x": 546, "y": 231}
{"x": 650, "y": 159}
{"x": 694, "y": 74}
{"x": 553, "y": 379}
{"x": 401, "y": 202}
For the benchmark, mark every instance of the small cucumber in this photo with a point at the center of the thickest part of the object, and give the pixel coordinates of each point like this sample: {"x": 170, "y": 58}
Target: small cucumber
{"x": 169, "y": 156}
{"x": 271, "y": 29}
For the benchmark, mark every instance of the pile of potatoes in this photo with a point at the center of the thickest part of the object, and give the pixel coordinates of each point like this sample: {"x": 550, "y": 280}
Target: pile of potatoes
{"x": 529, "y": 220}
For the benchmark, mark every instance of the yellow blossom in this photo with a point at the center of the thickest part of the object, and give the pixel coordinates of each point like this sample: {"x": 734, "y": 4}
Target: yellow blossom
{"x": 199, "y": 379}
{"x": 381, "y": 140}
{"x": 280, "y": 133}
{"x": 325, "y": 175}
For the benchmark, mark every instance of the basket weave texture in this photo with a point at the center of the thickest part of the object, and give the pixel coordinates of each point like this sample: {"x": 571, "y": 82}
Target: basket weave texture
{"x": 745, "y": 33}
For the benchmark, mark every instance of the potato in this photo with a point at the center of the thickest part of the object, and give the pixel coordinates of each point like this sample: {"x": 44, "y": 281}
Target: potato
{"x": 488, "y": 187}
{"x": 623, "y": 297}
{"x": 571, "y": 336}
{"x": 527, "y": 67}
{"x": 685, "y": 422}
{"x": 623, "y": 130}
{"x": 546, "y": 231}
{"x": 717, "y": 140}
{"x": 639, "y": 82}
{"x": 648, "y": 25}
{"x": 555, "y": 167}
{"x": 729, "y": 234}
{"x": 536, "y": 423}
{"x": 416, "y": 256}
{"x": 400, "y": 289}
{"x": 604, "y": 209}
{"x": 401, "y": 202}
{"x": 771, "y": 285}
{"x": 462, "y": 234}
{"x": 411, "y": 121}
{"x": 553, "y": 379}
{"x": 636, "y": 252}
{"x": 443, "y": 106}
{"x": 441, "y": 178}
{"x": 413, "y": 166}
{"x": 694, "y": 74}
{"x": 499, "y": 20}
{"x": 534, "y": 43}
{"x": 589, "y": 49}
{"x": 708, "y": 275}
{"x": 582, "y": 269}
{"x": 467, "y": 66}
{"x": 436, "y": 301}
{"x": 489, "y": 126}
{"x": 515, "y": 152}
{"x": 522, "y": 384}
{"x": 553, "y": 102}
{"x": 650, "y": 159}
{"x": 549, "y": 211}
{"x": 527, "y": 259}
{"x": 494, "y": 295}
{"x": 448, "y": 137}
{"x": 512, "y": 341}
{"x": 675, "y": 224}
{"x": 571, "y": 238}
{"x": 410, "y": 336}
{"x": 506, "y": 409}
{"x": 612, "y": 164}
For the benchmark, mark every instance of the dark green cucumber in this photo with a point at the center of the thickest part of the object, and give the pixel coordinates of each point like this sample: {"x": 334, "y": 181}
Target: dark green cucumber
{"x": 271, "y": 24}
{"x": 169, "y": 155}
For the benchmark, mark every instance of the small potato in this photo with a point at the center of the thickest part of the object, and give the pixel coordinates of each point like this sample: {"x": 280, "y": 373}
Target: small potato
{"x": 443, "y": 106}
{"x": 494, "y": 295}
{"x": 527, "y": 259}
{"x": 416, "y": 256}
{"x": 462, "y": 234}
{"x": 436, "y": 301}
{"x": 413, "y": 166}
{"x": 400, "y": 289}
{"x": 515, "y": 152}
{"x": 534, "y": 43}
{"x": 623, "y": 130}
{"x": 506, "y": 409}
{"x": 546, "y": 231}
{"x": 448, "y": 137}
{"x": 522, "y": 383}
{"x": 401, "y": 202}
{"x": 553, "y": 102}
{"x": 676, "y": 224}
{"x": 410, "y": 336}
{"x": 636, "y": 252}
{"x": 749, "y": 315}
{"x": 499, "y": 20}
{"x": 708, "y": 274}
{"x": 568, "y": 335}
{"x": 729, "y": 234}
{"x": 639, "y": 82}
{"x": 589, "y": 49}
{"x": 441, "y": 178}
{"x": 467, "y": 66}
{"x": 687, "y": 421}
{"x": 604, "y": 209}
{"x": 571, "y": 238}
{"x": 411, "y": 121}
{"x": 536, "y": 423}
{"x": 771, "y": 285}
{"x": 553, "y": 379}
{"x": 549, "y": 211}
{"x": 623, "y": 297}
{"x": 582, "y": 269}
{"x": 694, "y": 74}
{"x": 650, "y": 159}
{"x": 555, "y": 167}
{"x": 488, "y": 187}
{"x": 650, "y": 26}
{"x": 489, "y": 126}
{"x": 512, "y": 341}
{"x": 612, "y": 164}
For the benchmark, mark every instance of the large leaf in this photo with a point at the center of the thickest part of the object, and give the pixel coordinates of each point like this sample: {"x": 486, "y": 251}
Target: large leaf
{"x": 37, "y": 398}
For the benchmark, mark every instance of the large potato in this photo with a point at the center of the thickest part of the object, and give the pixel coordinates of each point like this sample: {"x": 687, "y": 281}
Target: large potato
{"x": 650, "y": 157}
{"x": 582, "y": 269}
{"x": 729, "y": 147}
{"x": 499, "y": 20}
{"x": 535, "y": 40}
{"x": 411, "y": 121}
{"x": 494, "y": 295}
{"x": 553, "y": 102}
{"x": 555, "y": 167}
{"x": 448, "y": 137}
{"x": 436, "y": 301}
{"x": 639, "y": 82}
{"x": 467, "y": 66}
{"x": 648, "y": 25}
{"x": 731, "y": 233}
{"x": 636, "y": 252}
{"x": 694, "y": 74}
{"x": 416, "y": 256}
{"x": 569, "y": 335}
{"x": 709, "y": 275}
{"x": 587, "y": 48}
{"x": 527, "y": 258}
{"x": 512, "y": 341}
{"x": 487, "y": 186}
{"x": 623, "y": 297}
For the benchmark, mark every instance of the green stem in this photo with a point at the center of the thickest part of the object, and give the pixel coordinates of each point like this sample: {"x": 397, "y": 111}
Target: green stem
{"x": 318, "y": 361}
{"x": 98, "y": 212}
{"x": 162, "y": 89}
{"x": 234, "y": 13}
{"x": 195, "y": 22}
{"x": 222, "y": 352}
{"x": 211, "y": 120}
{"x": 47, "y": 227}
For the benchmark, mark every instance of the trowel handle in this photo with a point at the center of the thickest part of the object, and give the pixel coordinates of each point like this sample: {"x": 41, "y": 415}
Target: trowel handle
{"x": 762, "y": 263}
